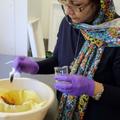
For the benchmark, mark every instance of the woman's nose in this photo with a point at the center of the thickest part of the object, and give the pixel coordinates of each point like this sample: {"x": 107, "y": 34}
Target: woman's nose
{"x": 69, "y": 10}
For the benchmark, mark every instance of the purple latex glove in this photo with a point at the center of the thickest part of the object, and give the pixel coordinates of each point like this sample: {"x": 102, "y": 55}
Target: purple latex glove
{"x": 75, "y": 85}
{"x": 25, "y": 64}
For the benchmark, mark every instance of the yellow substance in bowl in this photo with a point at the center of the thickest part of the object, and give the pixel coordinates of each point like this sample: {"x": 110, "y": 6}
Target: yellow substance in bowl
{"x": 19, "y": 100}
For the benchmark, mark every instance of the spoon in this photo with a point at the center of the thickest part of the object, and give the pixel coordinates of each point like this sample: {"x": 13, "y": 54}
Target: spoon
{"x": 12, "y": 75}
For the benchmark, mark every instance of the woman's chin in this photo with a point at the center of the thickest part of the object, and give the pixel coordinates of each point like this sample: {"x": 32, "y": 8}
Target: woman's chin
{"x": 76, "y": 21}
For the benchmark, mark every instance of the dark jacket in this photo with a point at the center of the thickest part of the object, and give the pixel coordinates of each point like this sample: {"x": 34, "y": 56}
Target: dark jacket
{"x": 108, "y": 72}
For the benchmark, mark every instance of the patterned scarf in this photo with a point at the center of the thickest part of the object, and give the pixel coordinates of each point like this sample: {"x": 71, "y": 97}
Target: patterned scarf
{"x": 105, "y": 32}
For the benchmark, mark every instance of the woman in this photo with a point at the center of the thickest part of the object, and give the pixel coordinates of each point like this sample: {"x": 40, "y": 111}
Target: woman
{"x": 92, "y": 89}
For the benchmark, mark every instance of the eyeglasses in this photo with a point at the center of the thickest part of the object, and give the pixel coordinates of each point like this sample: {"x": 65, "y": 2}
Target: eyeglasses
{"x": 76, "y": 8}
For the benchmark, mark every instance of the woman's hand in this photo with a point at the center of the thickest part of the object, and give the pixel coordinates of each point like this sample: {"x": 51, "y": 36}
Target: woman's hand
{"x": 75, "y": 85}
{"x": 25, "y": 64}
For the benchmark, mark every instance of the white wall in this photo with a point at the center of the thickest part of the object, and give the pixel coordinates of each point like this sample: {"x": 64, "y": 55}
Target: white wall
{"x": 117, "y": 6}
{"x": 34, "y": 9}
{"x": 56, "y": 16}
{"x": 6, "y": 22}
{"x": 12, "y": 21}
{"x": 40, "y": 9}
{"x": 20, "y": 18}
{"x": 45, "y": 17}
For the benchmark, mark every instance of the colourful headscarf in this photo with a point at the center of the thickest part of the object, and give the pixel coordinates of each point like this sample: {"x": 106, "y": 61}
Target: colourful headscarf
{"x": 104, "y": 32}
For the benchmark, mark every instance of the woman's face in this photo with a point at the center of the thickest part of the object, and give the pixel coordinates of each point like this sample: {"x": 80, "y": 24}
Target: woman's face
{"x": 81, "y": 10}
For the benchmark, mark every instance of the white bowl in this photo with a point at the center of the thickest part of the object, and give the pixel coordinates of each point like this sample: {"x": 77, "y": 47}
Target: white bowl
{"x": 42, "y": 89}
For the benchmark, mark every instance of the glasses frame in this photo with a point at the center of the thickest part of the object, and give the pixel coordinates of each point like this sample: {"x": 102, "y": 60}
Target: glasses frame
{"x": 69, "y": 3}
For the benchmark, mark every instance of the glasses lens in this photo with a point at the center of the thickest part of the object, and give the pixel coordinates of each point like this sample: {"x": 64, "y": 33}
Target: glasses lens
{"x": 67, "y": 3}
